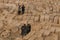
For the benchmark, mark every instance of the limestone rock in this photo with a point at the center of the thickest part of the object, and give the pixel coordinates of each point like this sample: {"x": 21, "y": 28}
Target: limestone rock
{"x": 5, "y": 34}
{"x": 36, "y": 19}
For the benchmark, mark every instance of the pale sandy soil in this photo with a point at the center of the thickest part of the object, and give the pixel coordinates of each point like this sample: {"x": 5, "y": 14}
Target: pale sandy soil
{"x": 43, "y": 15}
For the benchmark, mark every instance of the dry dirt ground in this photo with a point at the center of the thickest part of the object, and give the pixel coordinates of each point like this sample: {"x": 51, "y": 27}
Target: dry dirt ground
{"x": 43, "y": 15}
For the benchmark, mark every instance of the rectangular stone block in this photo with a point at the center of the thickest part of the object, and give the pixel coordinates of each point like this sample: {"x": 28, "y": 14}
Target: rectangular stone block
{"x": 29, "y": 35}
{"x": 59, "y": 20}
{"x": 33, "y": 37}
{"x": 52, "y": 37}
{"x": 51, "y": 18}
{"x": 58, "y": 35}
{"x": 42, "y": 18}
{"x": 36, "y": 18}
{"x": 56, "y": 20}
{"x": 46, "y": 18}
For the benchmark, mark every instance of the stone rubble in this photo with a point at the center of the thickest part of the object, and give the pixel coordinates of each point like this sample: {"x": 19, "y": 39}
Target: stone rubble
{"x": 43, "y": 15}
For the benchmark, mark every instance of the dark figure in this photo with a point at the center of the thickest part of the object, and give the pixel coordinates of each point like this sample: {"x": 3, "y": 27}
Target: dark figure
{"x": 28, "y": 28}
{"x": 23, "y": 9}
{"x": 19, "y": 10}
{"x": 25, "y": 29}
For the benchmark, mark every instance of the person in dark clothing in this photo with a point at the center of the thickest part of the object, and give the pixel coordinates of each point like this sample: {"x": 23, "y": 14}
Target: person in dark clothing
{"x": 19, "y": 10}
{"x": 28, "y": 28}
{"x": 23, "y": 9}
{"x": 25, "y": 29}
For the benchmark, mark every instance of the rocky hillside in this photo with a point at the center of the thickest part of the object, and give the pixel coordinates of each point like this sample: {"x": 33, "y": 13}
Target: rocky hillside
{"x": 42, "y": 15}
